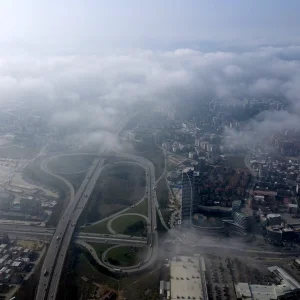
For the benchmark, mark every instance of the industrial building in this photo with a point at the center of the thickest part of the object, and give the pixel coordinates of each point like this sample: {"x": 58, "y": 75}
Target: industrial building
{"x": 274, "y": 219}
{"x": 280, "y": 233}
{"x": 187, "y": 279}
{"x": 240, "y": 222}
{"x": 289, "y": 288}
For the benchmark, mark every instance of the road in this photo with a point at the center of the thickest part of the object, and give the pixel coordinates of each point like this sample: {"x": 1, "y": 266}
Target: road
{"x": 55, "y": 257}
{"x": 109, "y": 227}
{"x": 58, "y": 247}
{"x": 152, "y": 207}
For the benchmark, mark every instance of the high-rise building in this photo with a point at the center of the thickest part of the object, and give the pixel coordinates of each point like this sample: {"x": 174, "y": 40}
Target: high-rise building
{"x": 190, "y": 184}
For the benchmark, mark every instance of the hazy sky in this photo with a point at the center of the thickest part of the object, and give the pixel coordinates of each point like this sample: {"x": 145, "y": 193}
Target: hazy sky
{"x": 74, "y": 25}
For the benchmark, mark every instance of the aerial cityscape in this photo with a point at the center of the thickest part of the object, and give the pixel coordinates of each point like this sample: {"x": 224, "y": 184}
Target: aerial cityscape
{"x": 149, "y": 150}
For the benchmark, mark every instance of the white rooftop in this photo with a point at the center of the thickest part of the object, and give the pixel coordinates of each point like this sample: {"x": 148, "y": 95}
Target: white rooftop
{"x": 186, "y": 278}
{"x": 273, "y": 216}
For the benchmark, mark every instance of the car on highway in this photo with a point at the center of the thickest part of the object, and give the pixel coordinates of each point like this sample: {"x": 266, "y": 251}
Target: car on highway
{"x": 45, "y": 272}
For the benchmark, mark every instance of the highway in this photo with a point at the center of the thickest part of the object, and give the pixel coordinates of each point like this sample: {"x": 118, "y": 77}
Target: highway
{"x": 55, "y": 257}
{"x": 59, "y": 245}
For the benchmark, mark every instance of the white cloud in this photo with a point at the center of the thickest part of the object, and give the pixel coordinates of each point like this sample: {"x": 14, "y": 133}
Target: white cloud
{"x": 90, "y": 90}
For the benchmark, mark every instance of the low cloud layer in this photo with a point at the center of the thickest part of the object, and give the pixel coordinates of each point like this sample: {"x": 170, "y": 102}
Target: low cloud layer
{"x": 92, "y": 91}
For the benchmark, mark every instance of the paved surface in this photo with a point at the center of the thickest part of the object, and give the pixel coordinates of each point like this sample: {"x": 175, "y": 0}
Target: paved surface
{"x": 58, "y": 247}
{"x": 54, "y": 260}
{"x": 112, "y": 240}
{"x": 109, "y": 227}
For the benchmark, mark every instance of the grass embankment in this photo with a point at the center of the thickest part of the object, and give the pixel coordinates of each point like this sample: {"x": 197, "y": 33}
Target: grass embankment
{"x": 75, "y": 179}
{"x": 130, "y": 225}
{"x": 134, "y": 286}
{"x": 162, "y": 193}
{"x": 70, "y": 164}
{"x": 101, "y": 227}
{"x": 126, "y": 256}
{"x": 35, "y": 173}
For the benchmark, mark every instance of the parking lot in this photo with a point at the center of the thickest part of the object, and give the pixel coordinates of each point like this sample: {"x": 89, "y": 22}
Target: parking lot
{"x": 223, "y": 272}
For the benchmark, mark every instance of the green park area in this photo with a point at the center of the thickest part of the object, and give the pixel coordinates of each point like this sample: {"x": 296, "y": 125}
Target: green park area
{"x": 70, "y": 164}
{"x": 126, "y": 256}
{"x": 100, "y": 248}
{"x": 130, "y": 225}
{"x": 101, "y": 227}
{"x": 118, "y": 187}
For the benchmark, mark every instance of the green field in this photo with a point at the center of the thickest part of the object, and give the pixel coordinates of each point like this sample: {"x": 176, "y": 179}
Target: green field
{"x": 97, "y": 228}
{"x": 101, "y": 227}
{"x": 100, "y": 248}
{"x": 118, "y": 187}
{"x": 141, "y": 208}
{"x": 75, "y": 179}
{"x": 126, "y": 256}
{"x": 131, "y": 225}
{"x": 70, "y": 163}
{"x": 150, "y": 151}
{"x": 85, "y": 268}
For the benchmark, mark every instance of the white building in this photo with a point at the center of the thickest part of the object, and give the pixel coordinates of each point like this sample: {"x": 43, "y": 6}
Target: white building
{"x": 187, "y": 278}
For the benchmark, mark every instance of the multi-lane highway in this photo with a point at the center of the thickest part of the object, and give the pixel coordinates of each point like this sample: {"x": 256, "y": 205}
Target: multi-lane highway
{"x": 54, "y": 260}
{"x": 58, "y": 247}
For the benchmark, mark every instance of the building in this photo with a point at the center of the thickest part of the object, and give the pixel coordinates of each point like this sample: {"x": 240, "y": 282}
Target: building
{"x": 31, "y": 206}
{"x": 164, "y": 289}
{"x": 189, "y": 202}
{"x": 274, "y": 219}
{"x": 262, "y": 172}
{"x": 240, "y": 223}
{"x": 242, "y": 219}
{"x": 236, "y": 205}
{"x": 280, "y": 233}
{"x": 187, "y": 278}
{"x": 289, "y": 288}
{"x": 5, "y": 200}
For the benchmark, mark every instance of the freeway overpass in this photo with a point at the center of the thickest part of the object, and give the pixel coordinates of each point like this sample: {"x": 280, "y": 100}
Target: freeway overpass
{"x": 47, "y": 235}
{"x": 54, "y": 260}
{"x": 59, "y": 244}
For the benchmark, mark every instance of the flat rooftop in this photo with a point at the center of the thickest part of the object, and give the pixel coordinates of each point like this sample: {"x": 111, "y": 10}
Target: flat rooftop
{"x": 289, "y": 219}
{"x": 186, "y": 281}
